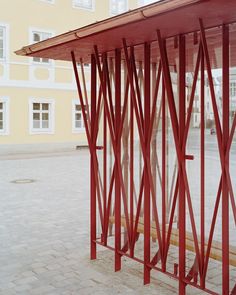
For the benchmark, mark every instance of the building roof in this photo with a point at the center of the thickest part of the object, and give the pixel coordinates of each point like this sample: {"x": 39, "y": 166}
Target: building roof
{"x": 171, "y": 17}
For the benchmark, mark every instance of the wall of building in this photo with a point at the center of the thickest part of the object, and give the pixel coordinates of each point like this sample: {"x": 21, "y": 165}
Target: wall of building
{"x": 22, "y": 79}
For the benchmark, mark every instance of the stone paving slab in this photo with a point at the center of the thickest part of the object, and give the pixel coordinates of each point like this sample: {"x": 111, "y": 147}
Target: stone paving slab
{"x": 44, "y": 233}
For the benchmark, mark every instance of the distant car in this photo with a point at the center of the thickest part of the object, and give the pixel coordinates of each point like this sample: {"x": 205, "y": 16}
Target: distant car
{"x": 213, "y": 131}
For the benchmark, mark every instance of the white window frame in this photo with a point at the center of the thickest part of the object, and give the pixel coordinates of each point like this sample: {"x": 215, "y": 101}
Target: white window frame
{"x": 74, "y": 128}
{"x": 5, "y": 101}
{"x": 31, "y": 40}
{"x": 77, "y": 6}
{"x": 232, "y": 88}
{"x": 6, "y": 42}
{"x": 117, "y": 13}
{"x": 50, "y": 129}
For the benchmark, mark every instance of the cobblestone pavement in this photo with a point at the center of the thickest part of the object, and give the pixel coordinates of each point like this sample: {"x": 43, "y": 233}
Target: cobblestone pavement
{"x": 44, "y": 233}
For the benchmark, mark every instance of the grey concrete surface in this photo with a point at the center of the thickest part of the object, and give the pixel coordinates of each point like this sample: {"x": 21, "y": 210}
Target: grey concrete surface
{"x": 44, "y": 232}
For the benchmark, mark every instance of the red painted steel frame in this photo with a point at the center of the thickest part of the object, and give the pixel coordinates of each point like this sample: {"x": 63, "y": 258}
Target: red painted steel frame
{"x": 225, "y": 137}
{"x": 115, "y": 198}
{"x": 182, "y": 206}
{"x": 92, "y": 177}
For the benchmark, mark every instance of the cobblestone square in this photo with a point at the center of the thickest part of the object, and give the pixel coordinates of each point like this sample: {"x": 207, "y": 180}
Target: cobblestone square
{"x": 44, "y": 232}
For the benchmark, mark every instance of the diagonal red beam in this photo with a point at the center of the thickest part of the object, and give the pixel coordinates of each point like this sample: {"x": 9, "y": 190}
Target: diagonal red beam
{"x": 133, "y": 95}
{"x": 85, "y": 92}
{"x": 193, "y": 272}
{"x": 119, "y": 135}
{"x": 104, "y": 91}
{"x": 212, "y": 229}
{"x": 156, "y": 258}
{"x": 223, "y": 155}
{"x": 138, "y": 92}
{"x": 175, "y": 126}
{"x": 224, "y": 143}
{"x": 192, "y": 95}
{"x": 148, "y": 164}
{"x": 233, "y": 292}
{"x": 139, "y": 204}
{"x": 138, "y": 210}
{"x": 131, "y": 179}
{"x": 171, "y": 218}
{"x": 149, "y": 138}
{"x": 112, "y": 134}
{"x": 94, "y": 138}
{"x": 92, "y": 146}
{"x": 212, "y": 91}
{"x": 107, "y": 79}
{"x": 81, "y": 98}
{"x": 154, "y": 104}
{"x": 170, "y": 94}
{"x": 104, "y": 239}
{"x": 184, "y": 144}
{"x": 163, "y": 184}
{"x": 230, "y": 188}
{"x": 231, "y": 136}
{"x": 142, "y": 141}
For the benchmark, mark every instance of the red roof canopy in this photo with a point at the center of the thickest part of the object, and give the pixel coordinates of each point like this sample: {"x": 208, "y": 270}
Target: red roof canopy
{"x": 171, "y": 17}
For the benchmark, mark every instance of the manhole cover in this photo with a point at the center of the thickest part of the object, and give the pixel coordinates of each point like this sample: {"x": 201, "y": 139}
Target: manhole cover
{"x": 23, "y": 181}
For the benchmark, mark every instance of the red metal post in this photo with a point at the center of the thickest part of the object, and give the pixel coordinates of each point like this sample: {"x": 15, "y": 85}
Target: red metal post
{"x": 225, "y": 137}
{"x": 147, "y": 100}
{"x": 92, "y": 172}
{"x": 202, "y": 176}
{"x": 163, "y": 182}
{"x": 182, "y": 201}
{"x": 118, "y": 150}
{"x": 132, "y": 175}
{"x": 104, "y": 237}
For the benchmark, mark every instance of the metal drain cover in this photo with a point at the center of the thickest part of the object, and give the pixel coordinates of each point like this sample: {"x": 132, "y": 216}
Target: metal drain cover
{"x": 23, "y": 181}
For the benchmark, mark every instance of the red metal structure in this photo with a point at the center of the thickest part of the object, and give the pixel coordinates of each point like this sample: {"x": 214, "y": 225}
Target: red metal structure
{"x": 147, "y": 201}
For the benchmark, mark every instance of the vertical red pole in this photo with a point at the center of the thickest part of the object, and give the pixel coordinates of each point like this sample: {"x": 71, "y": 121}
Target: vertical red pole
{"x": 104, "y": 238}
{"x": 182, "y": 205}
{"x": 131, "y": 173}
{"x": 147, "y": 97}
{"x": 118, "y": 144}
{"x": 163, "y": 182}
{"x": 92, "y": 172}
{"x": 225, "y": 137}
{"x": 202, "y": 176}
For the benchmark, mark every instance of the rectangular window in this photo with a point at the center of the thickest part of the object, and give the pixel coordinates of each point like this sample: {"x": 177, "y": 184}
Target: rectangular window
{"x": 2, "y": 43}
{"x": 86, "y": 4}
{"x": 37, "y": 37}
{"x": 233, "y": 89}
{"x": 118, "y": 6}
{"x": 41, "y": 116}
{"x": 77, "y": 117}
{"x": 4, "y": 114}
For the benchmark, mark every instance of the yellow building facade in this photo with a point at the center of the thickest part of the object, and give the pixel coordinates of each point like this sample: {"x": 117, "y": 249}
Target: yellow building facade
{"x": 38, "y": 98}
